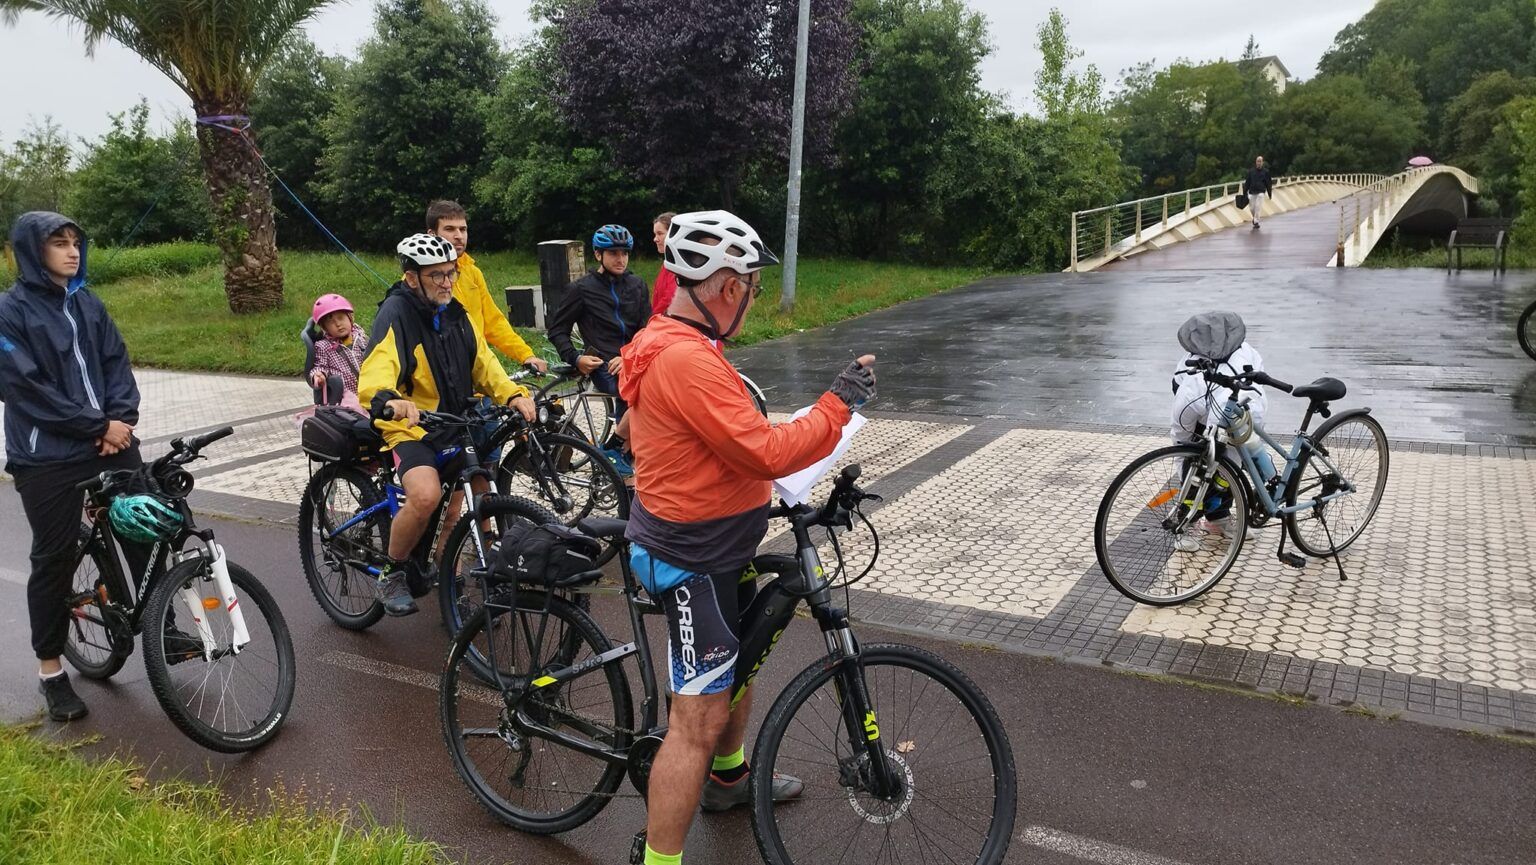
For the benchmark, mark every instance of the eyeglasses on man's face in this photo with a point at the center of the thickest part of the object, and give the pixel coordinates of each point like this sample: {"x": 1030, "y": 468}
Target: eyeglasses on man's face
{"x": 441, "y": 277}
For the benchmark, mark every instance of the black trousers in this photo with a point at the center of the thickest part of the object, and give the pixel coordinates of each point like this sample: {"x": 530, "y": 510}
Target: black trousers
{"x": 53, "y": 508}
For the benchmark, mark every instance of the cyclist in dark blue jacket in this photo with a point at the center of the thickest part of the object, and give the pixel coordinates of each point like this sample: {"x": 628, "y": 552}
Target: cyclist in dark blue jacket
{"x": 610, "y": 305}
{"x": 70, "y": 407}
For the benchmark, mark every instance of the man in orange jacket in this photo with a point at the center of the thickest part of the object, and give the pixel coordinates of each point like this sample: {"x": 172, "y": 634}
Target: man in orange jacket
{"x": 705, "y": 461}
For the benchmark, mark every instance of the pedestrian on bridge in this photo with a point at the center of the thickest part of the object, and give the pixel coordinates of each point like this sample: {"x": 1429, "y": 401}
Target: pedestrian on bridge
{"x": 1257, "y": 183}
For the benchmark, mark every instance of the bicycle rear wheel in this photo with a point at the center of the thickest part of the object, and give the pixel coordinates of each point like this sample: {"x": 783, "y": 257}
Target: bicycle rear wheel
{"x": 567, "y": 475}
{"x": 1158, "y": 539}
{"x": 944, "y": 741}
{"x": 237, "y": 700}
{"x": 100, "y": 638}
{"x": 335, "y": 562}
{"x": 531, "y": 783}
{"x": 1356, "y": 445}
{"x": 1525, "y": 330}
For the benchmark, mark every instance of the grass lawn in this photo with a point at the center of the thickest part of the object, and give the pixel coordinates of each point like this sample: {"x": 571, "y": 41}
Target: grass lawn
{"x": 1471, "y": 259}
{"x": 175, "y": 316}
{"x": 59, "y": 809}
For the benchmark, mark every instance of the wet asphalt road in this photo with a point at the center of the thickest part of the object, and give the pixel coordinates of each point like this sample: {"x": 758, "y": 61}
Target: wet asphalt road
{"x": 1435, "y": 356}
{"x": 1170, "y": 773}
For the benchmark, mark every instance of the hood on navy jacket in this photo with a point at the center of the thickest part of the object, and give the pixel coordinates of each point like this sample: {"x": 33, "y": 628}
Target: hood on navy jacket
{"x": 64, "y": 370}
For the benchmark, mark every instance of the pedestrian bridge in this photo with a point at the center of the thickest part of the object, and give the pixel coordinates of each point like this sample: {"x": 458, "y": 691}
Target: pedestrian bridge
{"x": 1313, "y": 220}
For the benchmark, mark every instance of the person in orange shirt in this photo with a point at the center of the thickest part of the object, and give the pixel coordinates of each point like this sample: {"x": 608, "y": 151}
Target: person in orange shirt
{"x": 705, "y": 460}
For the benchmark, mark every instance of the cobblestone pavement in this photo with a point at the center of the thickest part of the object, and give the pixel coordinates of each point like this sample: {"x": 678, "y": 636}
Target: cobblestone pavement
{"x": 986, "y": 531}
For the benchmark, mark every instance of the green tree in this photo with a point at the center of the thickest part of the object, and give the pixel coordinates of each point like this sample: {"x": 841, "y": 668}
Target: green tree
{"x": 1452, "y": 43}
{"x": 1335, "y": 123}
{"x": 545, "y": 181}
{"x": 1523, "y": 120}
{"x": 213, "y": 51}
{"x": 129, "y": 169}
{"x": 35, "y": 173}
{"x": 410, "y": 121}
{"x": 289, "y": 110}
{"x": 1074, "y": 140}
{"x": 919, "y": 93}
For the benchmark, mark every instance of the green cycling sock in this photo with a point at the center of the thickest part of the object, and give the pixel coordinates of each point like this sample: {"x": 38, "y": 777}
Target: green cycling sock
{"x": 654, "y": 858}
{"x": 729, "y": 761}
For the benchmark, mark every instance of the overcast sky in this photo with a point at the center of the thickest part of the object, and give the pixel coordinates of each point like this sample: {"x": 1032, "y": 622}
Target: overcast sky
{"x": 46, "y": 72}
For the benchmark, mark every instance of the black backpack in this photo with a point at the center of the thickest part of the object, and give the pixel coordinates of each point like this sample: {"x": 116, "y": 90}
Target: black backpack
{"x": 547, "y": 555}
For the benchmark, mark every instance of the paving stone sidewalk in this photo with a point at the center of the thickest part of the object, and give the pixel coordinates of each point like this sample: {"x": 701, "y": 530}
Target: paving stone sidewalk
{"x": 986, "y": 535}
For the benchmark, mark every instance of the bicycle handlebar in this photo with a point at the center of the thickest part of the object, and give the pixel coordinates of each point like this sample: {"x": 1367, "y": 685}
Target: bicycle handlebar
{"x": 1244, "y": 380}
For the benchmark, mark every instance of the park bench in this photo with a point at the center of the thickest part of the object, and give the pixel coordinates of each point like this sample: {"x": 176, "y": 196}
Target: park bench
{"x": 1478, "y": 233}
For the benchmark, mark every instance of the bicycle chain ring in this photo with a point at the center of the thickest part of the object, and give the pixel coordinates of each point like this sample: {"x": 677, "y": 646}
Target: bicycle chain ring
{"x": 642, "y": 755}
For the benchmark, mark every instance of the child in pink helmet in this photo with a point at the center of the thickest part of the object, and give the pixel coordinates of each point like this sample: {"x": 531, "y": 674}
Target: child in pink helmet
{"x": 339, "y": 345}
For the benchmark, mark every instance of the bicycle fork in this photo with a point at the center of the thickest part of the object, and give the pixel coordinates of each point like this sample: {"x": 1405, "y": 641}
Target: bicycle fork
{"x": 868, "y": 767}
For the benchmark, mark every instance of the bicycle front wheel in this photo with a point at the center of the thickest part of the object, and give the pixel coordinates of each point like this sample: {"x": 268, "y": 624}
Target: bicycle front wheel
{"x": 529, "y": 782}
{"x": 957, "y": 788}
{"x": 567, "y": 475}
{"x": 224, "y": 697}
{"x": 1168, "y": 528}
{"x": 1525, "y": 330}
{"x": 1356, "y": 448}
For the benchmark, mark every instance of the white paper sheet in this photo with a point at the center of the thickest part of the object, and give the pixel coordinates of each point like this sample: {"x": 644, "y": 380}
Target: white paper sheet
{"x": 794, "y": 488}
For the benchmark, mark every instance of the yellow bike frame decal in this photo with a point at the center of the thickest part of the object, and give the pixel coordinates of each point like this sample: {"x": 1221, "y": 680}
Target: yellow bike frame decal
{"x": 544, "y": 680}
{"x": 871, "y": 729}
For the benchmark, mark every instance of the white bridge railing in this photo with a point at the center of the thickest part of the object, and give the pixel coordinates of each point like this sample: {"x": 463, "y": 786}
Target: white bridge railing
{"x": 1104, "y": 233}
{"x": 1367, "y": 215}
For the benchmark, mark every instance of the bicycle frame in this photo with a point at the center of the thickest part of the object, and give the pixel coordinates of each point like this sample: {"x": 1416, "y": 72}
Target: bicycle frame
{"x": 1301, "y": 445}
{"x": 800, "y": 577}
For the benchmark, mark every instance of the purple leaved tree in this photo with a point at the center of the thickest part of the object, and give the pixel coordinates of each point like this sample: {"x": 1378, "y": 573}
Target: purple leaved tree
{"x": 690, "y": 93}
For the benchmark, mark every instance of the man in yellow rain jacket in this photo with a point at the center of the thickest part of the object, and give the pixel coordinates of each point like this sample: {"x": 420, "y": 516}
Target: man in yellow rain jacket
{"x": 448, "y": 220}
{"x": 425, "y": 355}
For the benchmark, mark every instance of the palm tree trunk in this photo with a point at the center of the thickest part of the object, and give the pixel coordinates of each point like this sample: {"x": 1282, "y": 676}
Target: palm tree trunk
{"x": 243, "y": 221}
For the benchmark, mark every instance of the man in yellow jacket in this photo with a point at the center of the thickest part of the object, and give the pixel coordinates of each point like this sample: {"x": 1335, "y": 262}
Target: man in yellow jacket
{"x": 424, "y": 355}
{"x": 448, "y": 220}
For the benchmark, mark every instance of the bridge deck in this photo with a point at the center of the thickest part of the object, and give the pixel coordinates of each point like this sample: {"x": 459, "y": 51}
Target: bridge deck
{"x": 1302, "y": 238}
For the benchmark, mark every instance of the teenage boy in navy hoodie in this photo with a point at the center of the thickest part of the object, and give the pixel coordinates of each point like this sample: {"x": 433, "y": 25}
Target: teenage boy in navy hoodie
{"x": 70, "y": 407}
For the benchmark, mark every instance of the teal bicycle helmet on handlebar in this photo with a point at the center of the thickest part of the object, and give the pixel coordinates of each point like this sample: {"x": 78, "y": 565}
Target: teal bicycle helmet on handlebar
{"x": 143, "y": 519}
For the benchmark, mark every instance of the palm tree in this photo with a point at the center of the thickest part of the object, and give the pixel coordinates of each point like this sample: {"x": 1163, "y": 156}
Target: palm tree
{"x": 214, "y": 50}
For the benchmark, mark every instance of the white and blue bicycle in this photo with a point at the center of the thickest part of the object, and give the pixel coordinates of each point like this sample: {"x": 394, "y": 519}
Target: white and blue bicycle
{"x": 1173, "y": 522}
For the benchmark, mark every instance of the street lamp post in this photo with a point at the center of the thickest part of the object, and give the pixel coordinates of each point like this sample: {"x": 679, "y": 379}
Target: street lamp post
{"x": 796, "y": 152}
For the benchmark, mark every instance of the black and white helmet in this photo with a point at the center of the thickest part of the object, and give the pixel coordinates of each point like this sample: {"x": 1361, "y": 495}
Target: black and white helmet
{"x": 700, "y": 243}
{"x": 422, "y": 250}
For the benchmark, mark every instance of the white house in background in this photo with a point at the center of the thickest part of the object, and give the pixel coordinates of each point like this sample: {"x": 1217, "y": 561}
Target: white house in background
{"x": 1274, "y": 70}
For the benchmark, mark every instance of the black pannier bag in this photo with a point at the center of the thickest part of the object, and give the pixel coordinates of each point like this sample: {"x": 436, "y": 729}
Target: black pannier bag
{"x": 545, "y": 555}
{"x": 339, "y": 435}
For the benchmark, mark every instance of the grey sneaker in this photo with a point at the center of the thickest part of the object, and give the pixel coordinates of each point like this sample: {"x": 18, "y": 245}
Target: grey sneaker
{"x": 394, "y": 593}
{"x": 720, "y": 796}
{"x": 63, "y": 703}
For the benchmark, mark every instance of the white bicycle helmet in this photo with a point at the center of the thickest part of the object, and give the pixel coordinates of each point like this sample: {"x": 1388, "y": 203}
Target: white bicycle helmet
{"x": 423, "y": 250}
{"x": 691, "y": 255}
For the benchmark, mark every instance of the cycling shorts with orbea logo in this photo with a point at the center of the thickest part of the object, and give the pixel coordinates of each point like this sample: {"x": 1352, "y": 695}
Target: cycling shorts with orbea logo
{"x": 703, "y": 621}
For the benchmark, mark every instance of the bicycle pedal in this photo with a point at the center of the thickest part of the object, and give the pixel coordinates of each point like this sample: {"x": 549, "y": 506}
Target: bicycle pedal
{"x": 1292, "y": 560}
{"x": 637, "y": 849}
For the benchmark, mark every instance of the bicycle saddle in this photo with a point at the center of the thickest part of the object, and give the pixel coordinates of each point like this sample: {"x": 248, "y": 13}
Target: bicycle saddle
{"x": 1324, "y": 389}
{"x": 602, "y": 527}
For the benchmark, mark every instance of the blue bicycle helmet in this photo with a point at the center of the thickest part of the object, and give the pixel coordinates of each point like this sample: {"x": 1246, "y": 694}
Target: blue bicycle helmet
{"x": 613, "y": 237}
{"x": 143, "y": 519}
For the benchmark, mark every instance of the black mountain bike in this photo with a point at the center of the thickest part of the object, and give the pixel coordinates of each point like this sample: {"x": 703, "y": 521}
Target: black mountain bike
{"x": 216, "y": 649}
{"x": 903, "y": 757}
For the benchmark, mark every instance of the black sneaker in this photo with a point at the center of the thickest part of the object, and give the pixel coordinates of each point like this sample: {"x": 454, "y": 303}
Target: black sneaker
{"x": 63, "y": 703}
{"x": 394, "y": 593}
{"x": 181, "y": 646}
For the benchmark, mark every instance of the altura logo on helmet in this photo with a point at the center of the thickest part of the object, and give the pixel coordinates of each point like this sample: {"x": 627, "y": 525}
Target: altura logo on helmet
{"x": 613, "y": 237}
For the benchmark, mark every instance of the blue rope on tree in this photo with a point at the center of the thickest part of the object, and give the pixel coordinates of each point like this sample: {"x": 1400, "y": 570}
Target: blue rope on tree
{"x": 240, "y": 125}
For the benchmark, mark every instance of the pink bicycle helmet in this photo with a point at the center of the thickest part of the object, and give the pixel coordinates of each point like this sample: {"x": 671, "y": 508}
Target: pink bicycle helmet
{"x": 327, "y": 304}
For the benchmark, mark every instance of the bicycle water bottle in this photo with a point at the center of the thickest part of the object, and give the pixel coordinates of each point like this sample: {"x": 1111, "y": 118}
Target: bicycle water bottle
{"x": 1241, "y": 431}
